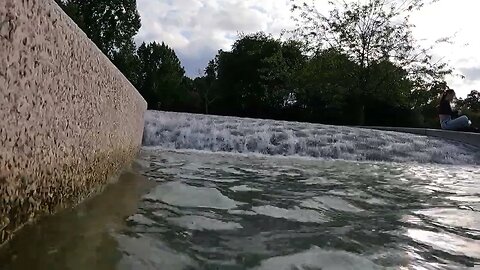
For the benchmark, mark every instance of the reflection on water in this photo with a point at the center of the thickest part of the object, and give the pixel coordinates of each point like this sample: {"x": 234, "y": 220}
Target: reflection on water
{"x": 82, "y": 238}
{"x": 231, "y": 211}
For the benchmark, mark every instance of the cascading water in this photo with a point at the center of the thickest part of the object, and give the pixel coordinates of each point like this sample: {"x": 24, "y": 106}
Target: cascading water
{"x": 170, "y": 130}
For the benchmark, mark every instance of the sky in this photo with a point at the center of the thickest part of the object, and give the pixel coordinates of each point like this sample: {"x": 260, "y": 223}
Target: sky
{"x": 197, "y": 29}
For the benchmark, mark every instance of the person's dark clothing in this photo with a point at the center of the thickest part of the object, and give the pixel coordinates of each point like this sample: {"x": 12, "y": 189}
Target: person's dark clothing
{"x": 446, "y": 109}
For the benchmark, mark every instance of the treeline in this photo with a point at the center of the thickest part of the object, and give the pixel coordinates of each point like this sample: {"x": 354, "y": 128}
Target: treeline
{"x": 358, "y": 65}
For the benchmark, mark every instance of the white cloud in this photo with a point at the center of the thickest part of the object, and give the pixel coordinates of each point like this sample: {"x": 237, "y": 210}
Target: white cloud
{"x": 459, "y": 19}
{"x": 197, "y": 29}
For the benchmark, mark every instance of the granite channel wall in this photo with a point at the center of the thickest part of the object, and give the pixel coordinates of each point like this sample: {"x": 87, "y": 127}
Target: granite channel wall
{"x": 70, "y": 122}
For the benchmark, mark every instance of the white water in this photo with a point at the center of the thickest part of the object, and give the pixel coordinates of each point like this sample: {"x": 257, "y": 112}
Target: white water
{"x": 170, "y": 130}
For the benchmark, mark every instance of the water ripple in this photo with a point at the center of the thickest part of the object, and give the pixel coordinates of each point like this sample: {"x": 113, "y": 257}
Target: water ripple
{"x": 294, "y": 213}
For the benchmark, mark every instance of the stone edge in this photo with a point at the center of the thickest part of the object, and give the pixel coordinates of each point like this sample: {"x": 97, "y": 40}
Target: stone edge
{"x": 463, "y": 137}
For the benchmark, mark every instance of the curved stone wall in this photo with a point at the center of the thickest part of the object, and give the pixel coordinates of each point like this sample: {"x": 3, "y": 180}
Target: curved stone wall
{"x": 69, "y": 120}
{"x": 463, "y": 137}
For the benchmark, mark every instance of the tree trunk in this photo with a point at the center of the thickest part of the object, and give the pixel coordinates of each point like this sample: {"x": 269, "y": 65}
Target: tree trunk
{"x": 357, "y": 109}
{"x": 360, "y": 115}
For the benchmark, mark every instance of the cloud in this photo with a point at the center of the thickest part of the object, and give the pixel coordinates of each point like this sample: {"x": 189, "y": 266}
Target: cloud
{"x": 471, "y": 74}
{"x": 195, "y": 64}
{"x": 458, "y": 19}
{"x": 197, "y": 29}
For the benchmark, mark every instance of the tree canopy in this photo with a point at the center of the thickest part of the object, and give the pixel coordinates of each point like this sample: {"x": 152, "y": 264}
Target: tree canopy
{"x": 160, "y": 76}
{"x": 377, "y": 36}
{"x": 111, "y": 25}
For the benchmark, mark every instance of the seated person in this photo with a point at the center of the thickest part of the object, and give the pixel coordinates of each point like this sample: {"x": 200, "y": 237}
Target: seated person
{"x": 449, "y": 119}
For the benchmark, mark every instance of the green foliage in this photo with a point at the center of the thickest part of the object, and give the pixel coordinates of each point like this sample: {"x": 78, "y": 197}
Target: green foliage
{"x": 377, "y": 35}
{"x": 426, "y": 102}
{"x": 206, "y": 87}
{"x": 161, "y": 77}
{"x": 323, "y": 85}
{"x": 256, "y": 76}
{"x": 471, "y": 102}
{"x": 111, "y": 25}
{"x": 471, "y": 106}
{"x": 127, "y": 61}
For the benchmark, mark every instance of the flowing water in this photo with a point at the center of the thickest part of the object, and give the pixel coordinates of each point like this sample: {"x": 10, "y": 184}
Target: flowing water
{"x": 409, "y": 202}
{"x": 274, "y": 138}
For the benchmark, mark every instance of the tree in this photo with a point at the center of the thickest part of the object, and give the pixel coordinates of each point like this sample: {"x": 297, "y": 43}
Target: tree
{"x": 161, "y": 79}
{"x": 471, "y": 102}
{"x": 427, "y": 102}
{"x": 111, "y": 25}
{"x": 127, "y": 61}
{"x": 206, "y": 86}
{"x": 326, "y": 82}
{"x": 471, "y": 106}
{"x": 371, "y": 33}
{"x": 255, "y": 75}
{"x": 189, "y": 99}
{"x": 322, "y": 87}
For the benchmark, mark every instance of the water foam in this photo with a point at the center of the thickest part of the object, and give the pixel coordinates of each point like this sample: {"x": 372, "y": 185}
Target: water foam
{"x": 296, "y": 214}
{"x": 317, "y": 258}
{"x": 242, "y": 135}
{"x": 179, "y": 194}
{"x": 200, "y": 223}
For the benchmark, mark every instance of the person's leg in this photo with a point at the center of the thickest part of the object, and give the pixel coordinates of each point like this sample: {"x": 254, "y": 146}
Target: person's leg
{"x": 457, "y": 123}
{"x": 443, "y": 124}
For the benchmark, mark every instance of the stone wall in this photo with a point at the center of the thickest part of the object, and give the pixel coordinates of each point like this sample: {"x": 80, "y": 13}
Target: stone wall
{"x": 69, "y": 120}
{"x": 463, "y": 137}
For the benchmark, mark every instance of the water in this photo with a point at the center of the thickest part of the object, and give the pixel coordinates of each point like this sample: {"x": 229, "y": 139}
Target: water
{"x": 230, "y": 211}
{"x": 222, "y": 208}
{"x": 256, "y": 136}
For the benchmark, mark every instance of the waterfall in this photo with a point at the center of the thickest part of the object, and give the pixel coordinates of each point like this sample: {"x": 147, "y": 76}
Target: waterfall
{"x": 171, "y": 130}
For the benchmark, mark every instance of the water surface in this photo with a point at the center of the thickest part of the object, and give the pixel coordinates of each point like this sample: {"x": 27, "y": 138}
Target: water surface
{"x": 231, "y": 211}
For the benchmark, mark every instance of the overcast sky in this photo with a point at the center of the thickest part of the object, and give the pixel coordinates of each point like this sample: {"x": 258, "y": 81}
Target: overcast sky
{"x": 197, "y": 29}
